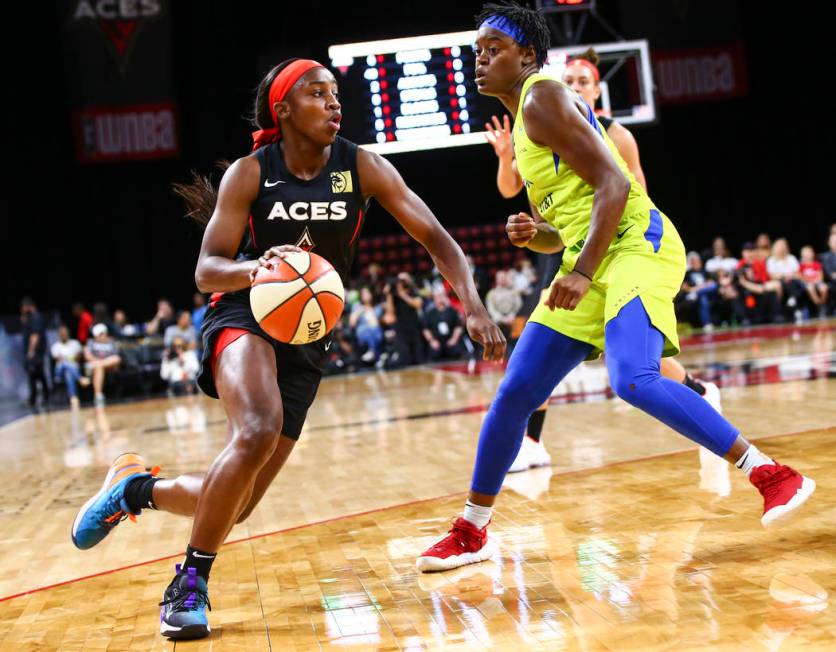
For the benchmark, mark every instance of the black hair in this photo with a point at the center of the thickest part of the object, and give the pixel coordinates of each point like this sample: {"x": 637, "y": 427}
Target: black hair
{"x": 530, "y": 21}
{"x": 201, "y": 195}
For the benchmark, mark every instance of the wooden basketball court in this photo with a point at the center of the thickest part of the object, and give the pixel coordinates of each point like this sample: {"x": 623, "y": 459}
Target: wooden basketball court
{"x": 631, "y": 541}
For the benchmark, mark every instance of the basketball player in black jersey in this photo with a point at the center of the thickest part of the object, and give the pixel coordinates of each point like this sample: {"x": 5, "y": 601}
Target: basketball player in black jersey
{"x": 302, "y": 187}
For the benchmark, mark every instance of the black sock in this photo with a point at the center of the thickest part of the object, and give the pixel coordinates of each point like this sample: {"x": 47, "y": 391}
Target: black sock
{"x": 535, "y": 424}
{"x": 693, "y": 384}
{"x": 139, "y": 492}
{"x": 199, "y": 560}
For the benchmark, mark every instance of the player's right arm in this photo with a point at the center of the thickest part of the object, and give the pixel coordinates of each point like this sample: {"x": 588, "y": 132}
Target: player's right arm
{"x": 217, "y": 270}
{"x": 508, "y": 179}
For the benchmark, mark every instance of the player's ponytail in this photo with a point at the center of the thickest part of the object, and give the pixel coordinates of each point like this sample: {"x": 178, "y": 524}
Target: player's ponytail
{"x": 590, "y": 55}
{"x": 201, "y": 194}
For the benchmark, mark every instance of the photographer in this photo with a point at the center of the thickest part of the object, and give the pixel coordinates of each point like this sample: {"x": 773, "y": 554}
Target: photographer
{"x": 403, "y": 300}
{"x": 179, "y": 368}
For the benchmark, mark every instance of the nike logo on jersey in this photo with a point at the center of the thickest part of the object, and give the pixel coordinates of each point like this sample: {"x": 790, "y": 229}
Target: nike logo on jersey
{"x": 268, "y": 184}
{"x": 314, "y": 210}
{"x": 328, "y": 345}
{"x": 625, "y": 231}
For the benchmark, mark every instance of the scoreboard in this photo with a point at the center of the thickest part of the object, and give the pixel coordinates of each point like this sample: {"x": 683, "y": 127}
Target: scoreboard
{"x": 413, "y": 93}
{"x": 407, "y": 94}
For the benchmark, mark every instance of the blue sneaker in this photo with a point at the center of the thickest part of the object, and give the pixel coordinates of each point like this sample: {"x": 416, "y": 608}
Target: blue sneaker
{"x": 105, "y": 510}
{"x": 183, "y": 609}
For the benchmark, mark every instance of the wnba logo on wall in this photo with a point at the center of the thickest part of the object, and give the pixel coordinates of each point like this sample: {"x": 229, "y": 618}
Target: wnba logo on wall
{"x": 119, "y": 81}
{"x": 126, "y": 132}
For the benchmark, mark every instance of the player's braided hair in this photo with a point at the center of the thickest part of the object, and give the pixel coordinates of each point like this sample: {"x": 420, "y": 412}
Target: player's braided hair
{"x": 530, "y": 21}
{"x": 201, "y": 195}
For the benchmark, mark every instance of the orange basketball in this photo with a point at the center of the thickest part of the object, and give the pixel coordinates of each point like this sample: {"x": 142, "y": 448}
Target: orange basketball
{"x": 300, "y": 300}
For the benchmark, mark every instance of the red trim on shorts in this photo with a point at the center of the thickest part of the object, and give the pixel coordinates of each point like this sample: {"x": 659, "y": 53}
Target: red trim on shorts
{"x": 226, "y": 337}
{"x": 216, "y": 296}
{"x": 357, "y": 229}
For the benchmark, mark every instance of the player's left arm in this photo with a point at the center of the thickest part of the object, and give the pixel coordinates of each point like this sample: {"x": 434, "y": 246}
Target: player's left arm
{"x": 553, "y": 119}
{"x": 380, "y": 179}
{"x": 626, "y": 145}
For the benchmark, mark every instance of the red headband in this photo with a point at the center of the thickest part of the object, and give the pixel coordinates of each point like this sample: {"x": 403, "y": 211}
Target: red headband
{"x": 586, "y": 64}
{"x": 283, "y": 82}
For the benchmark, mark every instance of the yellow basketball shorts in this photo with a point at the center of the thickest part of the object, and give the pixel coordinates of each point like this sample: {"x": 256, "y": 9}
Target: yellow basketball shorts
{"x": 649, "y": 265}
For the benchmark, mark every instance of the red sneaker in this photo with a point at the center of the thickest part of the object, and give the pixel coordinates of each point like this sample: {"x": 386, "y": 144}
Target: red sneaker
{"x": 465, "y": 544}
{"x": 784, "y": 490}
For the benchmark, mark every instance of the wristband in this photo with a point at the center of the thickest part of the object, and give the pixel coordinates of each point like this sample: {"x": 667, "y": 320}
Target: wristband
{"x": 582, "y": 274}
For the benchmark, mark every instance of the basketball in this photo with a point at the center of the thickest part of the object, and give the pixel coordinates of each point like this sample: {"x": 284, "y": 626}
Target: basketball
{"x": 300, "y": 300}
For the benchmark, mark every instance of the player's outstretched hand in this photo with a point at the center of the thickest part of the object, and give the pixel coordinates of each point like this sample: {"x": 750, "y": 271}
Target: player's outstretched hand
{"x": 481, "y": 329}
{"x": 273, "y": 252}
{"x": 567, "y": 291}
{"x": 521, "y": 228}
{"x": 499, "y": 135}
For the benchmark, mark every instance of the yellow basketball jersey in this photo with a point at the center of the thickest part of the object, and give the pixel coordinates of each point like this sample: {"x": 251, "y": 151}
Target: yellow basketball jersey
{"x": 563, "y": 198}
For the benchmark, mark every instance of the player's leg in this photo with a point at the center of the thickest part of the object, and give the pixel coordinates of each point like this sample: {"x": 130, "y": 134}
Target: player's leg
{"x": 633, "y": 347}
{"x": 245, "y": 376}
{"x": 532, "y": 452}
{"x": 539, "y": 362}
{"x": 673, "y": 369}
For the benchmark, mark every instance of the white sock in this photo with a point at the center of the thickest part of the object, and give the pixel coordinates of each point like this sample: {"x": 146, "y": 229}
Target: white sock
{"x": 752, "y": 458}
{"x": 477, "y": 515}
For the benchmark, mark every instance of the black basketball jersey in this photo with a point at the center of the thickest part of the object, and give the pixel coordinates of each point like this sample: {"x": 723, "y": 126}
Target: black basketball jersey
{"x": 323, "y": 215}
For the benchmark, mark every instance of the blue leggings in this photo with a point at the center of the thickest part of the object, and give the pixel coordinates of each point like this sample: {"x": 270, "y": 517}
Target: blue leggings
{"x": 543, "y": 357}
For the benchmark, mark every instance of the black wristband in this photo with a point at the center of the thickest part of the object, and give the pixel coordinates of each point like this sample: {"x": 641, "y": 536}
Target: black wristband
{"x": 582, "y": 274}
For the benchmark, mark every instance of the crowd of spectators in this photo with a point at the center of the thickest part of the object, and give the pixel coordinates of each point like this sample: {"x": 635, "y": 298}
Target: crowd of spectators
{"x": 767, "y": 284}
{"x": 396, "y": 321}
{"x": 105, "y": 351}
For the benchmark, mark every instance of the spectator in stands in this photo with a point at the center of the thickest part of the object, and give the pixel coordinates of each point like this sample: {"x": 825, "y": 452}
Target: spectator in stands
{"x": 122, "y": 330}
{"x": 443, "y": 329}
{"x": 783, "y": 268}
{"x": 342, "y": 352}
{"x": 812, "y": 275}
{"x": 828, "y": 261}
{"x": 698, "y": 291}
{"x": 66, "y": 352}
{"x": 199, "y": 311}
{"x": 182, "y": 329}
{"x": 101, "y": 315}
{"x": 721, "y": 258}
{"x": 729, "y": 304}
{"x": 365, "y": 322}
{"x": 85, "y": 322}
{"x": 763, "y": 243}
{"x": 102, "y": 358}
{"x": 162, "y": 320}
{"x": 761, "y": 295}
{"x": 34, "y": 349}
{"x": 179, "y": 368}
{"x": 503, "y": 302}
{"x": 401, "y": 293}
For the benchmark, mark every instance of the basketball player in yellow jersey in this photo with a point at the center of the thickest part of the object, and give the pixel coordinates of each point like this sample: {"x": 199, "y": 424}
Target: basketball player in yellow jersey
{"x": 623, "y": 265}
{"x": 582, "y": 76}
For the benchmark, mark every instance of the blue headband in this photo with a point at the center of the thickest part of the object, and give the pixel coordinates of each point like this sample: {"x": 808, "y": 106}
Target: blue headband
{"x": 506, "y": 26}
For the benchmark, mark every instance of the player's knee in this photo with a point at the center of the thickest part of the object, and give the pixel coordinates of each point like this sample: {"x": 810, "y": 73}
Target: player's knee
{"x": 629, "y": 380}
{"x": 515, "y": 394}
{"x": 257, "y": 439}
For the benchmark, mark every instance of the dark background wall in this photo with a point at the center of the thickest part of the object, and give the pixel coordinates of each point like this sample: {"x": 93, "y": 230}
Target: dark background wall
{"x": 115, "y": 232}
